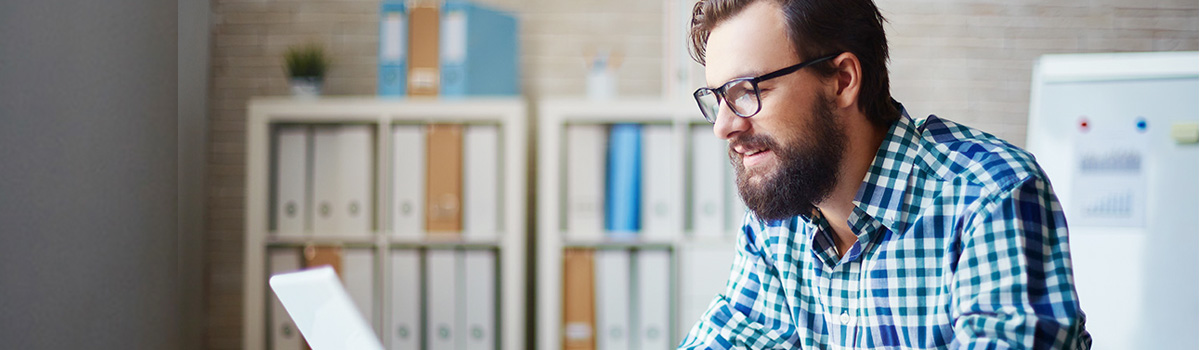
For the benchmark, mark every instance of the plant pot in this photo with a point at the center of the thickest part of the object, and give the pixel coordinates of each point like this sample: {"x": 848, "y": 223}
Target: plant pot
{"x": 306, "y": 87}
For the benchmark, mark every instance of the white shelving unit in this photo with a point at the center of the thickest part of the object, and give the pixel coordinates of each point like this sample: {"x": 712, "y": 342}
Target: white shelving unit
{"x": 683, "y": 116}
{"x": 509, "y": 115}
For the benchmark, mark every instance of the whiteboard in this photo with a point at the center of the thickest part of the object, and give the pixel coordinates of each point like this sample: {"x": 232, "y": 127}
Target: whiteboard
{"x": 1101, "y": 126}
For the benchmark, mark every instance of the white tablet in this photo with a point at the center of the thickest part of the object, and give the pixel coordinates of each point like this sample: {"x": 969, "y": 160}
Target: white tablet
{"x": 323, "y": 311}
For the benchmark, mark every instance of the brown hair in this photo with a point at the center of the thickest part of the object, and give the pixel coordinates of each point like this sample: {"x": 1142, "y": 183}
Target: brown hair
{"x": 820, "y": 27}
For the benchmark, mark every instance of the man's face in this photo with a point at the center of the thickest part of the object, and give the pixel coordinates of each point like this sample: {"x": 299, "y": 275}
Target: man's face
{"x": 786, "y": 156}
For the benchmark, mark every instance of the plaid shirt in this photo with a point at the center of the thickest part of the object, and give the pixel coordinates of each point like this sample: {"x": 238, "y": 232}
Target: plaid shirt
{"x": 961, "y": 245}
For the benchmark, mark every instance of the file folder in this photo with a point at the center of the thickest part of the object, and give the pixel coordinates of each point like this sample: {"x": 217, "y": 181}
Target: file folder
{"x": 322, "y": 255}
{"x": 708, "y": 183}
{"x": 325, "y": 181}
{"x": 284, "y": 334}
{"x": 660, "y": 199}
{"x": 408, "y": 181}
{"x": 704, "y": 271}
{"x": 623, "y": 191}
{"x": 579, "y": 300}
{"x": 443, "y": 209}
{"x": 423, "y": 34}
{"x": 443, "y": 288}
{"x": 481, "y": 173}
{"x": 358, "y": 273}
{"x": 291, "y": 180}
{"x": 478, "y": 50}
{"x": 393, "y": 48}
{"x": 343, "y": 176}
{"x": 405, "y": 326}
{"x": 612, "y": 299}
{"x": 356, "y": 178}
{"x": 733, "y": 202}
{"x": 479, "y": 287}
{"x": 653, "y": 301}
{"x": 585, "y": 181}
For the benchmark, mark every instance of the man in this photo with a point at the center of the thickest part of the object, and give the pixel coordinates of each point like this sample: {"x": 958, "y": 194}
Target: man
{"x": 868, "y": 229}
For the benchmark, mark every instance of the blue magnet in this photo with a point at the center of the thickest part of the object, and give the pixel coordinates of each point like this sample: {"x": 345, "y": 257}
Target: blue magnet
{"x": 1141, "y": 124}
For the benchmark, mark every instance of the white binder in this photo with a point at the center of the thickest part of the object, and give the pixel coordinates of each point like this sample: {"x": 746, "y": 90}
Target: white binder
{"x": 704, "y": 270}
{"x": 291, "y": 175}
{"x": 408, "y": 181}
{"x": 479, "y": 289}
{"x": 325, "y": 181}
{"x": 481, "y": 175}
{"x": 284, "y": 334}
{"x": 652, "y": 301}
{"x": 733, "y": 203}
{"x": 660, "y": 203}
{"x": 585, "y": 181}
{"x": 442, "y": 283}
{"x": 355, "y": 179}
{"x": 358, "y": 273}
{"x": 708, "y": 182}
{"x": 612, "y": 299}
{"x": 405, "y": 324}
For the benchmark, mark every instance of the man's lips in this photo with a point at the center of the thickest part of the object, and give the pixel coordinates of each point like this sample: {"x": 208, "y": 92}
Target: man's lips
{"x": 752, "y": 155}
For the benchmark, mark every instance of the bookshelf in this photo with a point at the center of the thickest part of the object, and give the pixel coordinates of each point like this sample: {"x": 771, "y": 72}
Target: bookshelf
{"x": 699, "y": 254}
{"x": 377, "y": 246}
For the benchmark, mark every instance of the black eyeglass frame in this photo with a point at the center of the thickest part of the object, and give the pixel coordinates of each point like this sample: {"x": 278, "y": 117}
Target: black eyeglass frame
{"x": 720, "y": 92}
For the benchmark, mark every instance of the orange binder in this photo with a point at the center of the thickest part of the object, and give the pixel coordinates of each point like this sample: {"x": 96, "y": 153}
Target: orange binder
{"x": 579, "y": 300}
{"x": 443, "y": 192}
{"x": 424, "y": 76}
{"x": 320, "y": 255}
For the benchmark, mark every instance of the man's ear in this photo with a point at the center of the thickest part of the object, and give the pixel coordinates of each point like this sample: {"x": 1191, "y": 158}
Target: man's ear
{"x": 848, "y": 78}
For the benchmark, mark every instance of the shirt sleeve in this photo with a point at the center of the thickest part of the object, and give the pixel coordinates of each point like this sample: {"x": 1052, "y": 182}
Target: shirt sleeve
{"x": 751, "y": 312}
{"x": 1012, "y": 286}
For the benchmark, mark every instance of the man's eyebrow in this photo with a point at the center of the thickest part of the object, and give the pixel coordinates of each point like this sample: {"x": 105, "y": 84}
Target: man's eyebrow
{"x": 748, "y": 73}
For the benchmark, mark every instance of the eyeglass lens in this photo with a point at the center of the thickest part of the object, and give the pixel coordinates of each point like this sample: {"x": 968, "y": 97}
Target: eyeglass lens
{"x": 741, "y": 95}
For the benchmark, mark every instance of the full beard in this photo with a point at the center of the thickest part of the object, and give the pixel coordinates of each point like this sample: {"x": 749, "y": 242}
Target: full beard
{"x": 806, "y": 173}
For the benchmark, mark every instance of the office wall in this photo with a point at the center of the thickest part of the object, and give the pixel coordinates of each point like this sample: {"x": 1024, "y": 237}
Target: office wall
{"x": 967, "y": 60}
{"x": 88, "y": 175}
{"x": 193, "y": 74}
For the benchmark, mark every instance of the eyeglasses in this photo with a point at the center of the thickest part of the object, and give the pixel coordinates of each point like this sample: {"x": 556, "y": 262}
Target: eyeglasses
{"x": 741, "y": 94}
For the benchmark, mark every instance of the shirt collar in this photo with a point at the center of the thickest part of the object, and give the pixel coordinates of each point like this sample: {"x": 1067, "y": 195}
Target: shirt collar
{"x": 881, "y": 195}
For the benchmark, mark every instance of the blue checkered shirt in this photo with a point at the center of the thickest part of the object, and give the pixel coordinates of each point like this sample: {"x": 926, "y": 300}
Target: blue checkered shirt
{"x": 961, "y": 245}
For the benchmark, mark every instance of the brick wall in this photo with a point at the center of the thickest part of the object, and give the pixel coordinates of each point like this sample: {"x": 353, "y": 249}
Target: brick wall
{"x": 968, "y": 61}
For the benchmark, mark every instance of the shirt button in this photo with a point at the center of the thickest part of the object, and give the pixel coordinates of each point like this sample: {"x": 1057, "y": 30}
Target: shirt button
{"x": 845, "y": 318}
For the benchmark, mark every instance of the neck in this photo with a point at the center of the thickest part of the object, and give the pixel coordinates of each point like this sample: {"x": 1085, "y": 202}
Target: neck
{"x": 862, "y": 142}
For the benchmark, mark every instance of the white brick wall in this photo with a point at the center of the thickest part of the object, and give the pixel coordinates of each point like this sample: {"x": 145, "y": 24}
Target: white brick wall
{"x": 966, "y": 60}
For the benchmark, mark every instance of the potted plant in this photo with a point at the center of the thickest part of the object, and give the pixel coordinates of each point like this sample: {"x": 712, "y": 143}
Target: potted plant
{"x": 306, "y": 65}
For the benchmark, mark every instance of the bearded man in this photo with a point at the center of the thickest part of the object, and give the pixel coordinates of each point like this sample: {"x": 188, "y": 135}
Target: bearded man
{"x": 868, "y": 229}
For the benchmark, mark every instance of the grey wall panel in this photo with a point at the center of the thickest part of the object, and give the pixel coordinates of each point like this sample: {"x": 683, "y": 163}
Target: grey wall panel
{"x": 88, "y": 175}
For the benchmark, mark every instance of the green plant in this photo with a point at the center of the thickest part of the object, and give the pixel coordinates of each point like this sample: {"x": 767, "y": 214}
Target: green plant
{"x": 306, "y": 61}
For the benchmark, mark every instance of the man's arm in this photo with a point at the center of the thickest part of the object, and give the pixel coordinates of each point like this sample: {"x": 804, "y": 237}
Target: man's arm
{"x": 1013, "y": 285}
{"x": 748, "y": 313}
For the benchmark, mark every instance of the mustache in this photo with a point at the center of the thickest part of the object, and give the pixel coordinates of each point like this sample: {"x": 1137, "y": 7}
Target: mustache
{"x": 755, "y": 141}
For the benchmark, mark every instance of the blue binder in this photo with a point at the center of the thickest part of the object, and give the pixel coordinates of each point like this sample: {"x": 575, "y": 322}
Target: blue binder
{"x": 393, "y": 48}
{"x": 478, "y": 51}
{"x": 623, "y": 191}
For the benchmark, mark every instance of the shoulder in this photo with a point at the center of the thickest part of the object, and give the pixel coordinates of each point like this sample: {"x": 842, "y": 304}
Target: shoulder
{"x": 954, "y": 152}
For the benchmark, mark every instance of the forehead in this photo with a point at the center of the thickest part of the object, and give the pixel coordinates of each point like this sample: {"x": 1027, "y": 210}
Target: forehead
{"x": 750, "y": 43}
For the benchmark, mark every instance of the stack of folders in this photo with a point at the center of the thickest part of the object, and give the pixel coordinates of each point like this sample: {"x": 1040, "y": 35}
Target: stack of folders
{"x": 444, "y": 186}
{"x": 446, "y": 182}
{"x": 620, "y": 182}
{"x": 323, "y": 176}
{"x": 457, "y": 289}
{"x": 616, "y": 299}
{"x": 453, "y": 48}
{"x": 354, "y": 266}
{"x": 458, "y": 300}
